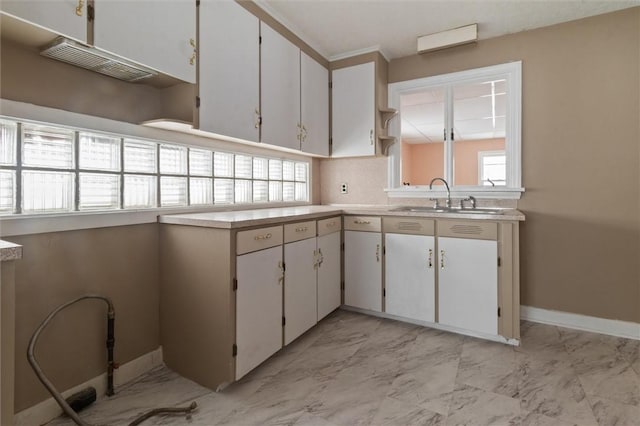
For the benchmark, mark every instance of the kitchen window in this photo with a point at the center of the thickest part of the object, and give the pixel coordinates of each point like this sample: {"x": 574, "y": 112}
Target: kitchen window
{"x": 53, "y": 169}
{"x": 464, "y": 127}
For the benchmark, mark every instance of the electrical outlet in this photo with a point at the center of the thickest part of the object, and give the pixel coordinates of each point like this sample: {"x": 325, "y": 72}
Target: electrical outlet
{"x": 343, "y": 188}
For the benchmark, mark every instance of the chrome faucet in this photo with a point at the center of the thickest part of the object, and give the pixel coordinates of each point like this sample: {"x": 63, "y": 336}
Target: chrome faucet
{"x": 446, "y": 185}
{"x": 469, "y": 198}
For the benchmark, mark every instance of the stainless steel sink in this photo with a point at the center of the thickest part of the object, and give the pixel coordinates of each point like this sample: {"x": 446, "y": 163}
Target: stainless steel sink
{"x": 426, "y": 209}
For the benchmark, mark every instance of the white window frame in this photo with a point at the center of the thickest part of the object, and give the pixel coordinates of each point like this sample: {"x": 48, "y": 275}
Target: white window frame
{"x": 512, "y": 72}
{"x": 481, "y": 156}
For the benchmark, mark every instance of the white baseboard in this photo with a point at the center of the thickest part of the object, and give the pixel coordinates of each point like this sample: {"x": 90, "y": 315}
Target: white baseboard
{"x": 626, "y": 329}
{"x": 49, "y": 409}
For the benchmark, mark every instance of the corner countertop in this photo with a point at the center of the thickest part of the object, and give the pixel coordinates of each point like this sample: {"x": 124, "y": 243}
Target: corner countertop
{"x": 267, "y": 216}
{"x": 10, "y": 251}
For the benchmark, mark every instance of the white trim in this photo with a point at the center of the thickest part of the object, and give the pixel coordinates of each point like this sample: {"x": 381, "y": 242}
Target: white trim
{"x": 513, "y": 72}
{"x": 626, "y": 329}
{"x": 491, "y": 337}
{"x": 458, "y": 192}
{"x": 49, "y": 409}
{"x": 357, "y": 52}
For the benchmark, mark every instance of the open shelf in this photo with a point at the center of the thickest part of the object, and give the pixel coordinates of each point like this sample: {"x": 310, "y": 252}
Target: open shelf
{"x": 387, "y": 114}
{"x": 385, "y": 143}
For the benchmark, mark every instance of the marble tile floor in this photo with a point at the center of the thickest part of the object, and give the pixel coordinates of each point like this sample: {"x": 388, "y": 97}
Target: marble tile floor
{"x": 353, "y": 369}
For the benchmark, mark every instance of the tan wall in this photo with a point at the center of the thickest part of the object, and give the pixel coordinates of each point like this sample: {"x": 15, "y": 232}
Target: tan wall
{"x": 580, "y": 244}
{"x": 120, "y": 263}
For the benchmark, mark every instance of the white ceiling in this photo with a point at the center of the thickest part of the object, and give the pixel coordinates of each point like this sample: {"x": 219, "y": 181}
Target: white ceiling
{"x": 341, "y": 28}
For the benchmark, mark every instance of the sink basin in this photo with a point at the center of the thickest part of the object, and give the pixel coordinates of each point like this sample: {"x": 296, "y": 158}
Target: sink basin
{"x": 426, "y": 209}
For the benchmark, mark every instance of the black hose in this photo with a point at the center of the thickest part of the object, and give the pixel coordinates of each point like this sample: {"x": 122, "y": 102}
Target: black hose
{"x": 111, "y": 316}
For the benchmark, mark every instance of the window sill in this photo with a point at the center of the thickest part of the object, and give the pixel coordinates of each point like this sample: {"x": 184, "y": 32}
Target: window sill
{"x": 14, "y": 225}
{"x": 425, "y": 192}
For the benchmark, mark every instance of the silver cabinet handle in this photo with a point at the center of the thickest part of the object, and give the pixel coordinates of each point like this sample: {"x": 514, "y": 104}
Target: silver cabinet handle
{"x": 315, "y": 259}
{"x": 430, "y": 258}
{"x": 321, "y": 257}
{"x": 262, "y": 237}
{"x": 281, "y": 267}
{"x": 377, "y": 252}
{"x": 302, "y": 229}
{"x": 258, "y": 119}
{"x": 371, "y": 136}
{"x": 441, "y": 259}
{"x": 330, "y": 224}
{"x": 361, "y": 222}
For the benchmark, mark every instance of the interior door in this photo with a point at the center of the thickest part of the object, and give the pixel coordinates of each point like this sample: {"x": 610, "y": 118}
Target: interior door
{"x": 300, "y": 291}
{"x": 409, "y": 276}
{"x": 258, "y": 308}
{"x": 468, "y": 284}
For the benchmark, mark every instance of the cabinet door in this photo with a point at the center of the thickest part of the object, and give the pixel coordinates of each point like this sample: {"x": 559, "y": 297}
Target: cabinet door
{"x": 468, "y": 284}
{"x": 363, "y": 270}
{"x": 258, "y": 308}
{"x": 300, "y": 292}
{"x": 328, "y": 274}
{"x": 230, "y": 70}
{"x": 409, "y": 276}
{"x": 353, "y": 111}
{"x": 314, "y": 107}
{"x": 58, "y": 16}
{"x": 156, "y": 34}
{"x": 279, "y": 89}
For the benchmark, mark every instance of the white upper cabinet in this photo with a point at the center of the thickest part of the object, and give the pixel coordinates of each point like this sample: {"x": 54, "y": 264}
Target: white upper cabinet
{"x": 229, "y": 70}
{"x": 353, "y": 111}
{"x": 160, "y": 35}
{"x": 314, "y": 106}
{"x": 65, "y": 17}
{"x": 280, "y": 89}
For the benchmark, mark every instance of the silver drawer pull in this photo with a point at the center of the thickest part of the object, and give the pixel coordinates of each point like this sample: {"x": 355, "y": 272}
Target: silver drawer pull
{"x": 262, "y": 237}
{"x": 361, "y": 222}
{"x": 302, "y": 229}
{"x": 330, "y": 224}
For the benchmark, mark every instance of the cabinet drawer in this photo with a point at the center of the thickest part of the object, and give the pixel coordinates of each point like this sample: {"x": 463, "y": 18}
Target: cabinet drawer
{"x": 408, "y": 225}
{"x": 362, "y": 223}
{"x": 473, "y": 229}
{"x": 258, "y": 239}
{"x": 299, "y": 231}
{"x": 328, "y": 226}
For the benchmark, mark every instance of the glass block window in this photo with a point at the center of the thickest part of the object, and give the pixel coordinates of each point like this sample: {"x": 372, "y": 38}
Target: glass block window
{"x": 98, "y": 152}
{"x": 8, "y": 136}
{"x": 200, "y": 191}
{"x": 223, "y": 164}
{"x": 223, "y": 191}
{"x": 47, "y": 147}
{"x": 99, "y": 191}
{"x": 140, "y": 156}
{"x": 7, "y": 190}
{"x": 50, "y": 169}
{"x": 200, "y": 162}
{"x": 173, "y": 160}
{"x": 243, "y": 167}
{"x": 46, "y": 191}
{"x": 140, "y": 191}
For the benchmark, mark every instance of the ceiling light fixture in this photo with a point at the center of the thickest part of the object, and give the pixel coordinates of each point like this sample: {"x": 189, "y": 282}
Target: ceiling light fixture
{"x": 449, "y": 38}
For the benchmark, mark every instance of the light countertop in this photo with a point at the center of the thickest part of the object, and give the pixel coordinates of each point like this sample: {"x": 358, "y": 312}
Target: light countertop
{"x": 10, "y": 251}
{"x": 257, "y": 217}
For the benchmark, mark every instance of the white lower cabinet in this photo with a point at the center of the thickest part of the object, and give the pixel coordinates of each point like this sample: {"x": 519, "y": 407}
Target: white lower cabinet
{"x": 409, "y": 276}
{"x": 329, "y": 262}
{"x": 259, "y": 276}
{"x": 363, "y": 264}
{"x": 468, "y": 284}
{"x": 300, "y": 291}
